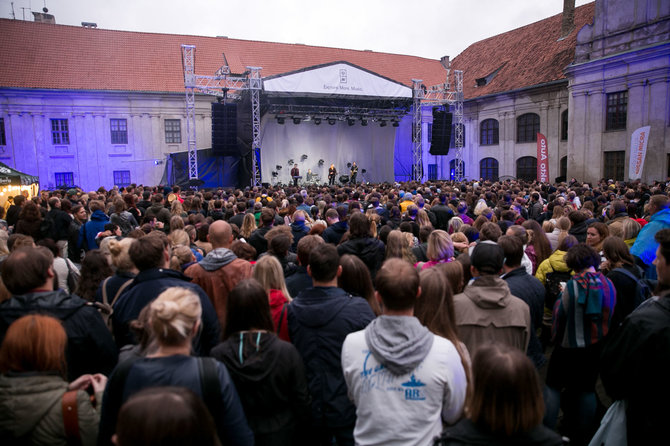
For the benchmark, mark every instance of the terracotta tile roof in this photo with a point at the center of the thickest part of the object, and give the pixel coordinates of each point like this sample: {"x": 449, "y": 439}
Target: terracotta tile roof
{"x": 39, "y": 55}
{"x": 530, "y": 55}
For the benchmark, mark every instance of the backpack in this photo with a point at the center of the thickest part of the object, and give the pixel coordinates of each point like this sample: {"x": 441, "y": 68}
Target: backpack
{"x": 106, "y": 308}
{"x": 553, "y": 288}
{"x": 644, "y": 288}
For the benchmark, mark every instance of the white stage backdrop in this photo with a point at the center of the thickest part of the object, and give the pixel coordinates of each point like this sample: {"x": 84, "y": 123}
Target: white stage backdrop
{"x": 370, "y": 146}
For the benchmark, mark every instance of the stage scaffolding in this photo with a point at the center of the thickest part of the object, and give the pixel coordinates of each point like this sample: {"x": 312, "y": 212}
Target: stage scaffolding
{"x": 226, "y": 86}
{"x": 440, "y": 95}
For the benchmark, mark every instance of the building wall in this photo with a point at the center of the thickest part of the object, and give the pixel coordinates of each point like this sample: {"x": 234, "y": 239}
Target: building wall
{"x": 90, "y": 155}
{"x": 626, "y": 49}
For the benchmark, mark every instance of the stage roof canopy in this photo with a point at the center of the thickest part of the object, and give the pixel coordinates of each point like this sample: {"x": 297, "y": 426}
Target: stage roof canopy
{"x": 337, "y": 79}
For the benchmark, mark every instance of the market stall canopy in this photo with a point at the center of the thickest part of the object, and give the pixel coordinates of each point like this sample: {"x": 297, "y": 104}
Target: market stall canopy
{"x": 9, "y": 176}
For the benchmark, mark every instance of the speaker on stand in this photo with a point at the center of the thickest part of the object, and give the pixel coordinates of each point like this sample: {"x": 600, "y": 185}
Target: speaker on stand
{"x": 441, "y": 137}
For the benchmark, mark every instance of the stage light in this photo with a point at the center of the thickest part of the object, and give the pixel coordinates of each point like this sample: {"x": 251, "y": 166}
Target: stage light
{"x": 364, "y": 122}
{"x": 348, "y": 164}
{"x": 278, "y": 167}
{"x": 382, "y": 123}
{"x": 303, "y": 157}
{"x": 331, "y": 121}
{"x": 321, "y": 162}
{"x": 364, "y": 170}
{"x": 395, "y": 124}
{"x": 281, "y": 120}
{"x": 274, "y": 174}
{"x": 296, "y": 120}
{"x": 351, "y": 121}
{"x": 290, "y": 161}
{"x": 317, "y": 121}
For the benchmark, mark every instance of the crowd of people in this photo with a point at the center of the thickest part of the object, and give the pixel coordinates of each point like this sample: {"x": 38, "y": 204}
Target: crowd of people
{"x": 437, "y": 313}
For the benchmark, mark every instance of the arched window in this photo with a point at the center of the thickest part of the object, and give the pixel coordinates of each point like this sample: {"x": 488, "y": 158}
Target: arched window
{"x": 563, "y": 170}
{"x": 488, "y": 132}
{"x": 564, "y": 126}
{"x": 452, "y": 169}
{"x": 526, "y": 168}
{"x": 527, "y": 127}
{"x": 488, "y": 169}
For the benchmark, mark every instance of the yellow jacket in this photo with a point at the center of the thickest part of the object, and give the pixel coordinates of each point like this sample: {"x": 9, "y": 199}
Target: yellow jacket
{"x": 555, "y": 262}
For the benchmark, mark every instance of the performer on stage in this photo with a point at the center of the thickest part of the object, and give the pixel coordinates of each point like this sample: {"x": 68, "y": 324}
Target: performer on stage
{"x": 354, "y": 172}
{"x": 295, "y": 173}
{"x": 332, "y": 173}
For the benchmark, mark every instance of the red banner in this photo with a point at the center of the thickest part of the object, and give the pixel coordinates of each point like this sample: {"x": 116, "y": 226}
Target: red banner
{"x": 542, "y": 159}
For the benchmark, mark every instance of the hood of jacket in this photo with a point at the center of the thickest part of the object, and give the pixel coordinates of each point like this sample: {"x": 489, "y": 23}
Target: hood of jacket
{"x": 98, "y": 215}
{"x": 488, "y": 292}
{"x": 26, "y": 398}
{"x": 298, "y": 226}
{"x": 557, "y": 261}
{"x": 249, "y": 355}
{"x": 662, "y": 216}
{"x": 317, "y": 306}
{"x": 366, "y": 248}
{"x": 58, "y": 303}
{"x": 398, "y": 342}
{"x": 217, "y": 258}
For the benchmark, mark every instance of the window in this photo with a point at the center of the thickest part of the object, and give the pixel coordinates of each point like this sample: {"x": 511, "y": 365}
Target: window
{"x": 119, "y": 130}
{"x": 563, "y": 168}
{"x": 488, "y": 169}
{"x": 64, "y": 179}
{"x": 526, "y": 168}
{"x": 488, "y": 132}
{"x": 59, "y": 131}
{"x": 122, "y": 178}
{"x": 173, "y": 131}
{"x": 3, "y": 139}
{"x": 527, "y": 127}
{"x": 617, "y": 105}
{"x": 432, "y": 172}
{"x": 452, "y": 143}
{"x": 564, "y": 126}
{"x": 452, "y": 169}
{"x": 614, "y": 165}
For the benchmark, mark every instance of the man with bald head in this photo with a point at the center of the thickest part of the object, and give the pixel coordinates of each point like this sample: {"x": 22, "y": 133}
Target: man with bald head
{"x": 220, "y": 270}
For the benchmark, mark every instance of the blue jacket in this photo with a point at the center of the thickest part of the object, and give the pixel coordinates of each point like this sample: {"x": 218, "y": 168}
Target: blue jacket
{"x": 146, "y": 286}
{"x": 91, "y": 228}
{"x": 319, "y": 319}
{"x": 645, "y": 246}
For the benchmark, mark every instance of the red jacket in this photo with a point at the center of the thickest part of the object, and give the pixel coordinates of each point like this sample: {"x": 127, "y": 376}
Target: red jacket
{"x": 277, "y": 302}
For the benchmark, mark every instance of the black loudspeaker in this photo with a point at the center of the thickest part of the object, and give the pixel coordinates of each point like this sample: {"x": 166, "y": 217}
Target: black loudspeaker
{"x": 224, "y": 130}
{"x": 441, "y": 137}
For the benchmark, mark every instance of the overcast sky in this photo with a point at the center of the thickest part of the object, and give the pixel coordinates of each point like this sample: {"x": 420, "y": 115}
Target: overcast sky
{"x": 427, "y": 28}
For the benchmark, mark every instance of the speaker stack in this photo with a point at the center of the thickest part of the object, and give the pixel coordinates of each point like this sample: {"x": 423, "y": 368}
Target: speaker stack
{"x": 441, "y": 137}
{"x": 224, "y": 130}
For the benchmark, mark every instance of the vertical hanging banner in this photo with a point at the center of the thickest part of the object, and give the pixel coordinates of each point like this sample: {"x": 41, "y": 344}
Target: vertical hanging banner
{"x": 638, "y": 150}
{"x": 542, "y": 159}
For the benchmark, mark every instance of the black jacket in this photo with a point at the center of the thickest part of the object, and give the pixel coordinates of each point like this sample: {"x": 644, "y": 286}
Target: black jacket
{"x": 298, "y": 281}
{"x": 442, "y": 216}
{"x": 90, "y": 347}
{"x": 146, "y": 286}
{"x": 333, "y": 233}
{"x": 270, "y": 378}
{"x": 319, "y": 319}
{"x": 579, "y": 231}
{"x": 635, "y": 365}
{"x": 258, "y": 241}
{"x": 61, "y": 223}
{"x": 299, "y": 230}
{"x": 530, "y": 290}
{"x": 370, "y": 250}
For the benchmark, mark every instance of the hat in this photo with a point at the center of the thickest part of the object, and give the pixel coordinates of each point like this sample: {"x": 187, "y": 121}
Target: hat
{"x": 71, "y": 192}
{"x": 488, "y": 257}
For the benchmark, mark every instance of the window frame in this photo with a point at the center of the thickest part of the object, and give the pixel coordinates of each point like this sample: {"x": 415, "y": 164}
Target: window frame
{"x": 526, "y": 169}
{"x": 564, "y": 125}
{"x": 616, "y": 110}
{"x": 170, "y": 134}
{"x": 614, "y": 169}
{"x": 60, "y": 131}
{"x": 489, "y": 132}
{"x": 119, "y": 175}
{"x": 118, "y": 130}
{"x": 526, "y": 131}
{"x": 65, "y": 176}
{"x": 493, "y": 167}
{"x": 3, "y": 135}
{"x": 452, "y": 169}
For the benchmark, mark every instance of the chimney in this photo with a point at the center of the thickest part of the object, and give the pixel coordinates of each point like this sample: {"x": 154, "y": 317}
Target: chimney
{"x": 568, "y": 20}
{"x": 43, "y": 17}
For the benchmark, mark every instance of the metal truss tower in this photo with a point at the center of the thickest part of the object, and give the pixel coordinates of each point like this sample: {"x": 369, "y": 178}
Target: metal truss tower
{"x": 438, "y": 95}
{"x": 220, "y": 85}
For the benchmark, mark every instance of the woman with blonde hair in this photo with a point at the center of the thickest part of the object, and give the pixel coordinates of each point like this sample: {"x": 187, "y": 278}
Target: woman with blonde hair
{"x": 397, "y": 245}
{"x": 33, "y": 388}
{"x": 174, "y": 320}
{"x": 440, "y": 249}
{"x": 177, "y": 209}
{"x": 125, "y": 271}
{"x": 269, "y": 273}
{"x": 631, "y": 229}
{"x": 551, "y": 231}
{"x": 563, "y": 225}
{"x": 455, "y": 224}
{"x": 181, "y": 258}
{"x": 422, "y": 218}
{"x": 248, "y": 226}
